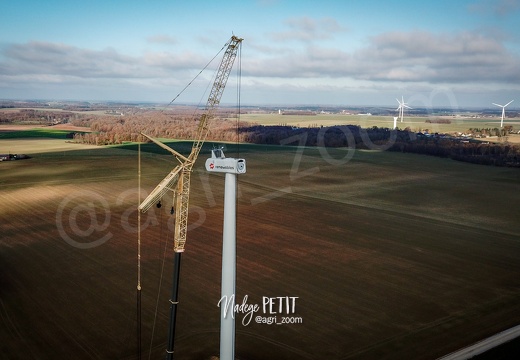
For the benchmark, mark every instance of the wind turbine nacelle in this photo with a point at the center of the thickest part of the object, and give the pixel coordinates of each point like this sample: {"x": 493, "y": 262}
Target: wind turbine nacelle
{"x": 226, "y": 165}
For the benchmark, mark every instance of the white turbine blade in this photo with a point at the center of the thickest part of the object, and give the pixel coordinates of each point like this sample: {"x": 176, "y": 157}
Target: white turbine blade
{"x": 508, "y": 103}
{"x": 400, "y": 104}
{"x": 406, "y": 106}
{"x": 498, "y": 105}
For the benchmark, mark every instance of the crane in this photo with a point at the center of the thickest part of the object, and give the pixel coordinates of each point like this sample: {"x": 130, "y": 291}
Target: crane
{"x": 178, "y": 179}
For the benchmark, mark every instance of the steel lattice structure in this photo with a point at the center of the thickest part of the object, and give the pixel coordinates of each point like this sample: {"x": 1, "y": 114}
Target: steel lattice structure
{"x": 179, "y": 177}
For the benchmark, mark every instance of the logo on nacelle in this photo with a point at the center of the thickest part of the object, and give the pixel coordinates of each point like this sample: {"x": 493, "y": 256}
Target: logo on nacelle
{"x": 226, "y": 165}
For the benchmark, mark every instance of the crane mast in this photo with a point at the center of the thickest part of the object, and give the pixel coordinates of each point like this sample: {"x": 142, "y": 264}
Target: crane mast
{"x": 178, "y": 179}
{"x": 180, "y": 175}
{"x": 216, "y": 93}
{"x": 183, "y": 193}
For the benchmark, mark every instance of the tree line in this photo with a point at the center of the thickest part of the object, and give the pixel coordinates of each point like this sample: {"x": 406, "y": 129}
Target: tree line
{"x": 36, "y": 117}
{"x": 375, "y": 138}
{"x": 111, "y": 130}
{"x": 114, "y": 130}
{"x": 483, "y": 132}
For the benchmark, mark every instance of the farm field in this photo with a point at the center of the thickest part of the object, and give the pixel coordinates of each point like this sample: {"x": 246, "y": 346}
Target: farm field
{"x": 31, "y": 146}
{"x": 390, "y": 256}
{"x": 416, "y": 123}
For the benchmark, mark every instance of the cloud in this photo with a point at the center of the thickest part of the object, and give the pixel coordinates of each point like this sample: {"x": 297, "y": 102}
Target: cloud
{"x": 416, "y": 56}
{"x": 423, "y": 56}
{"x": 169, "y": 62}
{"x": 59, "y": 59}
{"x": 51, "y": 59}
{"x": 307, "y": 29}
{"x": 498, "y": 8}
{"x": 162, "y": 39}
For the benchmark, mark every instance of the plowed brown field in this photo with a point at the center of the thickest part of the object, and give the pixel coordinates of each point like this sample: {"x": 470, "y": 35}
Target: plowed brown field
{"x": 391, "y": 256}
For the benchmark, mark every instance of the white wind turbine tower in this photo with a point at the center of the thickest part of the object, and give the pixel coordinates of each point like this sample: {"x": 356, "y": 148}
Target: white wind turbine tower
{"x": 401, "y": 107}
{"x": 503, "y": 111}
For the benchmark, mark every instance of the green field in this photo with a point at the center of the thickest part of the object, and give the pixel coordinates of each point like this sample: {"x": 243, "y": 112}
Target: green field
{"x": 34, "y": 133}
{"x": 391, "y": 256}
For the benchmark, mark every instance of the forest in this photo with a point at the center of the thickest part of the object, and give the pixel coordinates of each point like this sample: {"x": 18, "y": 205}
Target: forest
{"x": 375, "y": 138}
{"x": 36, "y": 117}
{"x": 182, "y": 124}
{"x": 115, "y": 130}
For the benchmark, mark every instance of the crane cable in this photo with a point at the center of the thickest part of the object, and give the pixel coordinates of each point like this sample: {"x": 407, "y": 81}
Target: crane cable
{"x": 161, "y": 220}
{"x": 139, "y": 321}
{"x": 200, "y": 72}
{"x": 160, "y": 281}
{"x": 239, "y": 85}
{"x": 139, "y": 318}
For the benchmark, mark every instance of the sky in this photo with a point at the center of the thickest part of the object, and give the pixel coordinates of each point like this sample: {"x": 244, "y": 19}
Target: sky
{"x": 463, "y": 53}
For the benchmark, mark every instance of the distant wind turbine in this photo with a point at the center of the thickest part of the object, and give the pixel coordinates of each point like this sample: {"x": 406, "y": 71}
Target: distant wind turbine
{"x": 503, "y": 111}
{"x": 395, "y": 122}
{"x": 401, "y": 107}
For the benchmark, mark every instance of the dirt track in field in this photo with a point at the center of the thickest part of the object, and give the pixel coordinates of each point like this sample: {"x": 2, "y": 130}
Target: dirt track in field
{"x": 373, "y": 281}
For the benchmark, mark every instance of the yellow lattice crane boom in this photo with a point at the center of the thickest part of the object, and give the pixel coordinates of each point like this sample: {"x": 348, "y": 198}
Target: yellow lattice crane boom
{"x": 180, "y": 175}
{"x": 178, "y": 179}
